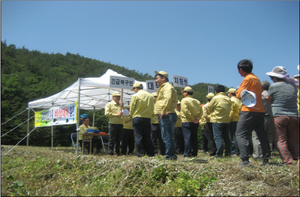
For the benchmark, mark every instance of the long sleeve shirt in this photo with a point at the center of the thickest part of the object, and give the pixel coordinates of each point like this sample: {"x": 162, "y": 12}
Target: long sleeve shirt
{"x": 190, "y": 109}
{"x": 127, "y": 122}
{"x": 219, "y": 108}
{"x": 178, "y": 121}
{"x": 205, "y": 116}
{"x": 251, "y": 83}
{"x": 111, "y": 110}
{"x": 141, "y": 105}
{"x": 82, "y": 130}
{"x": 236, "y": 106}
{"x": 166, "y": 101}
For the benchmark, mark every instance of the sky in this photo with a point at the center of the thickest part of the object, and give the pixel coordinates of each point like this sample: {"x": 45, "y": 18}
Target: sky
{"x": 200, "y": 40}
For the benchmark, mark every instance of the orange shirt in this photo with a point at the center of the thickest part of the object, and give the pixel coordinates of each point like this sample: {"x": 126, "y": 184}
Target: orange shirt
{"x": 252, "y": 83}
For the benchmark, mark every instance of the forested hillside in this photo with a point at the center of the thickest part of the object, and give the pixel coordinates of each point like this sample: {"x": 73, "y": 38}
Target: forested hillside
{"x": 30, "y": 75}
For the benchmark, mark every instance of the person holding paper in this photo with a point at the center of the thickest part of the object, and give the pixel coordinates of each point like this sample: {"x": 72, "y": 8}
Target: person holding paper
{"x": 141, "y": 111}
{"x": 251, "y": 115}
{"x": 113, "y": 110}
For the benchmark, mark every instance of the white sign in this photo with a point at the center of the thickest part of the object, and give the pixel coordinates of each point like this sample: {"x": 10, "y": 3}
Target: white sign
{"x": 121, "y": 82}
{"x": 152, "y": 86}
{"x": 211, "y": 89}
{"x": 179, "y": 81}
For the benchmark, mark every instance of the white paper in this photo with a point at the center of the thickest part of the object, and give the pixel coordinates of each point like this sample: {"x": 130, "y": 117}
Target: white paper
{"x": 248, "y": 98}
{"x": 125, "y": 112}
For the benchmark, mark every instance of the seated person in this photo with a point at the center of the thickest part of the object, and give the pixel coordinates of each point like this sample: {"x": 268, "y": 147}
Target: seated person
{"x": 83, "y": 128}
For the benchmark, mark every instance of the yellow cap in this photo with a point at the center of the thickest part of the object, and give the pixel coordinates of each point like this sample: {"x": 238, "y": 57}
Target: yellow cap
{"x": 162, "y": 73}
{"x": 116, "y": 94}
{"x": 188, "y": 89}
{"x": 178, "y": 102}
{"x": 210, "y": 95}
{"x": 136, "y": 85}
{"x": 231, "y": 90}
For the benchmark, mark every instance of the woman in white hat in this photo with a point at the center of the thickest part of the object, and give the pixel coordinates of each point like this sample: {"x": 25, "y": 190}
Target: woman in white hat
{"x": 283, "y": 99}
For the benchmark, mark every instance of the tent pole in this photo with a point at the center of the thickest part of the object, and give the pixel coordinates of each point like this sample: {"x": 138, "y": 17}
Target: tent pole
{"x": 94, "y": 117}
{"x": 27, "y": 143}
{"x": 78, "y": 115}
{"x": 52, "y": 134}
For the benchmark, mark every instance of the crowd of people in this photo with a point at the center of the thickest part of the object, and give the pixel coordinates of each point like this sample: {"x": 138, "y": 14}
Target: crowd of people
{"x": 251, "y": 121}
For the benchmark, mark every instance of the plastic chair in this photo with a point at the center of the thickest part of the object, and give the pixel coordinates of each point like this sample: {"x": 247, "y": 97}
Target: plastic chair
{"x": 74, "y": 138}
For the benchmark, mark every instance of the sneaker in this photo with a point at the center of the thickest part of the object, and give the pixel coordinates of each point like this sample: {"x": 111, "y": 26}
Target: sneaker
{"x": 244, "y": 164}
{"x": 234, "y": 155}
{"x": 217, "y": 157}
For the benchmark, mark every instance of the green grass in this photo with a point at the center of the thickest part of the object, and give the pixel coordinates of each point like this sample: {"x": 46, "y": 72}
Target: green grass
{"x": 40, "y": 171}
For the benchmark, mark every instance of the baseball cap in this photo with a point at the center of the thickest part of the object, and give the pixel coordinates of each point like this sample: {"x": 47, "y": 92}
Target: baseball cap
{"x": 163, "y": 73}
{"x": 136, "y": 85}
{"x": 116, "y": 94}
{"x": 210, "y": 95}
{"x": 231, "y": 90}
{"x": 187, "y": 89}
{"x": 83, "y": 115}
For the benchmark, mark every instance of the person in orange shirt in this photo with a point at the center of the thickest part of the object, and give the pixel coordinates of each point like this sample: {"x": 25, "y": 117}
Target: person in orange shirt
{"x": 252, "y": 114}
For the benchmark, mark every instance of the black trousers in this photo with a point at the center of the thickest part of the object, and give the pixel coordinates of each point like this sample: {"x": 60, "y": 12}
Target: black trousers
{"x": 178, "y": 140}
{"x": 127, "y": 141}
{"x": 190, "y": 136}
{"x": 156, "y": 133}
{"x": 142, "y": 129}
{"x": 248, "y": 122}
{"x": 208, "y": 132}
{"x": 204, "y": 142}
{"x": 115, "y": 135}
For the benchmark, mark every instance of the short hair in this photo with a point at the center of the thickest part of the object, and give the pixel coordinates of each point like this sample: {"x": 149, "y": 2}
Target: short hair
{"x": 233, "y": 94}
{"x": 278, "y": 79}
{"x": 208, "y": 99}
{"x": 265, "y": 85}
{"x": 161, "y": 76}
{"x": 83, "y": 119}
{"x": 246, "y": 65}
{"x": 220, "y": 88}
{"x": 189, "y": 93}
{"x": 139, "y": 88}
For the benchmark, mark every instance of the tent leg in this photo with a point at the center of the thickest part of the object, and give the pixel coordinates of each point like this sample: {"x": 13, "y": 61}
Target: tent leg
{"x": 51, "y": 137}
{"x": 27, "y": 143}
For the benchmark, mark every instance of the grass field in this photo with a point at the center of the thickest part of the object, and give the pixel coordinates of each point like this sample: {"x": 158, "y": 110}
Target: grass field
{"x": 40, "y": 171}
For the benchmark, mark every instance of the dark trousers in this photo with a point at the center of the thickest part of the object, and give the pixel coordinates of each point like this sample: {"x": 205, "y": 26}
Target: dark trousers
{"x": 115, "y": 135}
{"x": 234, "y": 148}
{"x": 94, "y": 141}
{"x": 178, "y": 140}
{"x": 127, "y": 141}
{"x": 204, "y": 142}
{"x": 190, "y": 135}
{"x": 208, "y": 132}
{"x": 248, "y": 122}
{"x": 142, "y": 129}
{"x": 156, "y": 133}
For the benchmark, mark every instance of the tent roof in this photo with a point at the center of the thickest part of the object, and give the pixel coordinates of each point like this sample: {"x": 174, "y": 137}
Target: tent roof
{"x": 95, "y": 93}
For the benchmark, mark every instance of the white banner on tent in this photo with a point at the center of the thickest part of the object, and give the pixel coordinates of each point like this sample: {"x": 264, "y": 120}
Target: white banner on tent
{"x": 152, "y": 86}
{"x": 121, "y": 82}
{"x": 56, "y": 116}
{"x": 179, "y": 81}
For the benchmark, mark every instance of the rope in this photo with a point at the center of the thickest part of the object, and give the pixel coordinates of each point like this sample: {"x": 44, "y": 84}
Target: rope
{"x": 13, "y": 117}
{"x": 17, "y": 126}
{"x": 18, "y": 143}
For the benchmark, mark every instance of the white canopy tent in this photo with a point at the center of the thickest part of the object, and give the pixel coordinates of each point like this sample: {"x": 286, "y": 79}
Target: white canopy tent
{"x": 91, "y": 94}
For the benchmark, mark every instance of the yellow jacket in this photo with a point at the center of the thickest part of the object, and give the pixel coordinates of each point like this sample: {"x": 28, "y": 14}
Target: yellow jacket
{"x": 111, "y": 110}
{"x": 127, "y": 122}
{"x": 178, "y": 121}
{"x": 219, "y": 108}
{"x": 82, "y": 129}
{"x": 190, "y": 109}
{"x": 205, "y": 116}
{"x": 141, "y": 105}
{"x": 236, "y": 106}
{"x": 166, "y": 101}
